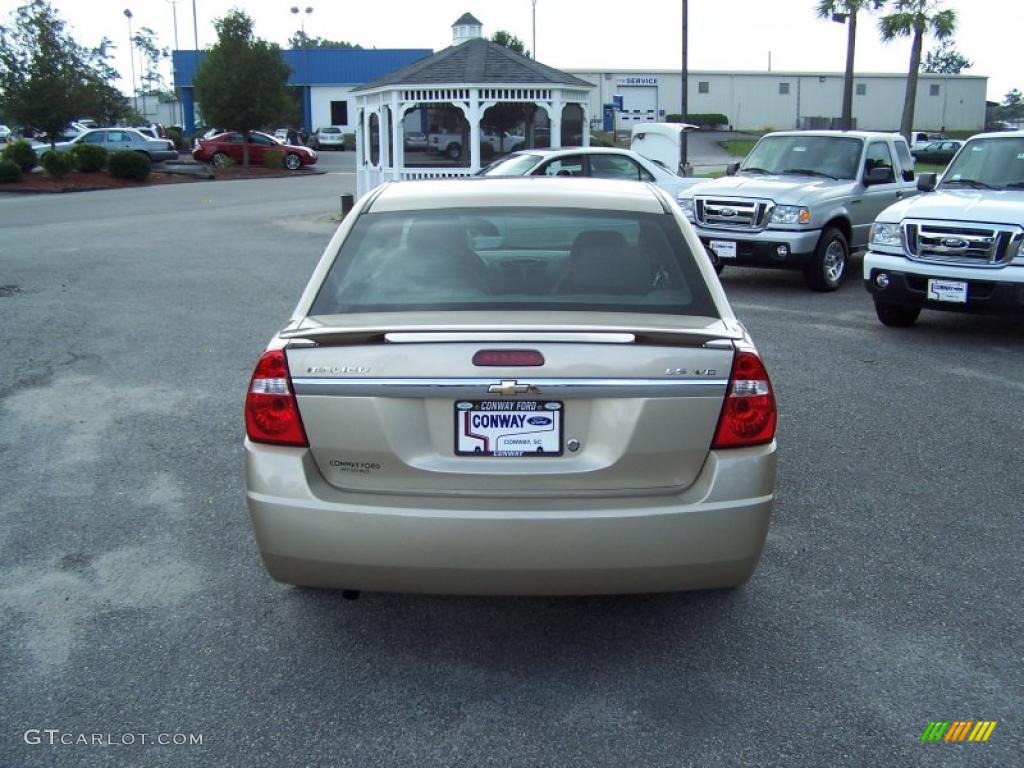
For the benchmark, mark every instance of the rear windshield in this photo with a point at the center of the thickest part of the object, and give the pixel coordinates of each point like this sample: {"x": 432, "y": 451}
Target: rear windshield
{"x": 515, "y": 258}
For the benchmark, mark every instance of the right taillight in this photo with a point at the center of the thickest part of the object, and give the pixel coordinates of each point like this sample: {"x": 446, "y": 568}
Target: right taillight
{"x": 748, "y": 413}
{"x": 271, "y": 410}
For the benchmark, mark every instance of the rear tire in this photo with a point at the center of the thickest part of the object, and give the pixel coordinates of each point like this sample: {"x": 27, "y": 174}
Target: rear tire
{"x": 827, "y": 267}
{"x": 896, "y": 315}
{"x": 220, "y": 160}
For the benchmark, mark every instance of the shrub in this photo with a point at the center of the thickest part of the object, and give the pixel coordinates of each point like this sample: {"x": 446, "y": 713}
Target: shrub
{"x": 56, "y": 164}
{"x": 174, "y": 133}
{"x": 88, "y": 157}
{"x": 600, "y": 140}
{"x": 703, "y": 119}
{"x": 273, "y": 158}
{"x": 21, "y": 154}
{"x": 350, "y": 141}
{"x": 9, "y": 171}
{"x": 126, "y": 164}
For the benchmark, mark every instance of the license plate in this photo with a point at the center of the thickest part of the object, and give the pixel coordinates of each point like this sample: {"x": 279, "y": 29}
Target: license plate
{"x": 954, "y": 291}
{"x": 514, "y": 428}
{"x": 726, "y": 249}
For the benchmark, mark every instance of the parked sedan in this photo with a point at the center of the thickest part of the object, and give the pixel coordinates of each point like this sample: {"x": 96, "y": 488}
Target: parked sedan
{"x": 228, "y": 146}
{"x": 595, "y": 162}
{"x": 116, "y": 139}
{"x": 512, "y": 386}
{"x": 938, "y": 152}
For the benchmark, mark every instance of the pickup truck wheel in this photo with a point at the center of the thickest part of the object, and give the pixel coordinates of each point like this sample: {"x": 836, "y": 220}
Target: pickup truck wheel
{"x": 896, "y": 315}
{"x": 454, "y": 151}
{"x": 827, "y": 267}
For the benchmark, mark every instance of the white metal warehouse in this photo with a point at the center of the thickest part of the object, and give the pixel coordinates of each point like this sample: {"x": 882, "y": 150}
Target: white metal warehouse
{"x": 785, "y": 100}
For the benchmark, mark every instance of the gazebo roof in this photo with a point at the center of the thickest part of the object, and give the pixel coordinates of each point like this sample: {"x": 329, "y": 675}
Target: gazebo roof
{"x": 476, "y": 61}
{"x": 467, "y": 18}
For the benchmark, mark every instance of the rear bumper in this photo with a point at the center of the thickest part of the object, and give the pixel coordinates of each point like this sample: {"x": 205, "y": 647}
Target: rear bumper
{"x": 708, "y": 536}
{"x": 908, "y": 285}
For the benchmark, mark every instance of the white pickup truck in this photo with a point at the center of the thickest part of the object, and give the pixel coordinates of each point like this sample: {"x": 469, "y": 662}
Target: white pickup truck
{"x": 959, "y": 247}
{"x": 450, "y": 144}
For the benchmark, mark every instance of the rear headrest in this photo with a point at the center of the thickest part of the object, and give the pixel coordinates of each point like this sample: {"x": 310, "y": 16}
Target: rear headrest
{"x": 603, "y": 262}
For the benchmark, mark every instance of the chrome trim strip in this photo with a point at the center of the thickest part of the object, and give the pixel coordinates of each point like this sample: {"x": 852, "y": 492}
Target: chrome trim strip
{"x": 476, "y": 388}
{"x": 526, "y": 336}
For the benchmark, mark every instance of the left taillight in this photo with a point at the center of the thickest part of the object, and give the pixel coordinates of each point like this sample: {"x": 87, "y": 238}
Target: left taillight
{"x": 271, "y": 410}
{"x": 748, "y": 413}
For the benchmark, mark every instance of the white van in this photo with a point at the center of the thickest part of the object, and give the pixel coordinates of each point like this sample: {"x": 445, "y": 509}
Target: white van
{"x": 661, "y": 142}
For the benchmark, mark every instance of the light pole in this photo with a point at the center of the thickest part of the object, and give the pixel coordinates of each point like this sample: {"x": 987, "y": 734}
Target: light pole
{"x": 174, "y": 11}
{"x": 131, "y": 58}
{"x": 534, "y": 30}
{"x": 683, "y": 94}
{"x": 305, "y": 58}
{"x": 195, "y": 26}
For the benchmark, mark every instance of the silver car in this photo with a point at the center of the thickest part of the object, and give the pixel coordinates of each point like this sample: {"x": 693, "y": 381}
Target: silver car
{"x": 511, "y": 386}
{"x": 116, "y": 139}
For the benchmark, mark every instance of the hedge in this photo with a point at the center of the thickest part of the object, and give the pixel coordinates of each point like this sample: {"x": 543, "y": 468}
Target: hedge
{"x": 9, "y": 171}
{"x": 127, "y": 164}
{"x": 88, "y": 157}
{"x": 57, "y": 164}
{"x": 21, "y": 154}
{"x": 703, "y": 119}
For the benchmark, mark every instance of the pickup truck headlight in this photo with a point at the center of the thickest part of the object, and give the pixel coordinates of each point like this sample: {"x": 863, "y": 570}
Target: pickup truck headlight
{"x": 686, "y": 203}
{"x": 888, "y": 235}
{"x": 791, "y": 214}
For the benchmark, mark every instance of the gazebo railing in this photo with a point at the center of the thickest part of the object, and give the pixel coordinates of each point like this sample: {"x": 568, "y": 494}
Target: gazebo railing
{"x": 409, "y": 174}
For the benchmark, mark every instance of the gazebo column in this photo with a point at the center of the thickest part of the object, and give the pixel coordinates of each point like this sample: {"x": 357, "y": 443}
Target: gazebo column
{"x": 556, "y": 120}
{"x": 359, "y": 138}
{"x": 473, "y": 116}
{"x": 397, "y": 136}
{"x": 585, "y": 128}
{"x": 384, "y": 120}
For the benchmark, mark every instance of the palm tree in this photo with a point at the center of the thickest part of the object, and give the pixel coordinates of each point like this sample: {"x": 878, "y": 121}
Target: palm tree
{"x": 916, "y": 18}
{"x": 846, "y": 10}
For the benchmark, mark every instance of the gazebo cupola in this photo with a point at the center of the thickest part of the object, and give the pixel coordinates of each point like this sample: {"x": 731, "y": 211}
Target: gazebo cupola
{"x": 467, "y": 27}
{"x": 475, "y": 99}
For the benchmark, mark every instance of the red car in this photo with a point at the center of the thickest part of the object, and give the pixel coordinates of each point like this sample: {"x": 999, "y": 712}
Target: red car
{"x": 229, "y": 145}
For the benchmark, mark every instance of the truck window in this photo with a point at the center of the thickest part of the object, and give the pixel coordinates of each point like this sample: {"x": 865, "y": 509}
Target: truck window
{"x": 906, "y": 161}
{"x": 878, "y": 156}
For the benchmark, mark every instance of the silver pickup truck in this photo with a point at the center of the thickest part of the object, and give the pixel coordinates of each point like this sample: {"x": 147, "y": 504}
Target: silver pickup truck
{"x": 802, "y": 200}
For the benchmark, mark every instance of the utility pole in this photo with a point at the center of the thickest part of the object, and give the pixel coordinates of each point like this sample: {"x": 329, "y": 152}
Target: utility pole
{"x": 174, "y": 11}
{"x": 131, "y": 58}
{"x": 684, "y": 110}
{"x": 195, "y": 25}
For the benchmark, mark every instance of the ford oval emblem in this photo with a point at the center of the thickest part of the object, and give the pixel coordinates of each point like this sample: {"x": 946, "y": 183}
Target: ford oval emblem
{"x": 538, "y": 420}
{"x": 728, "y": 212}
{"x": 954, "y": 242}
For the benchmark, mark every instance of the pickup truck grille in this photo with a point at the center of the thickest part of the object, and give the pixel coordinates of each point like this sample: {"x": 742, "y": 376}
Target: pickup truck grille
{"x": 974, "y": 244}
{"x": 732, "y": 214}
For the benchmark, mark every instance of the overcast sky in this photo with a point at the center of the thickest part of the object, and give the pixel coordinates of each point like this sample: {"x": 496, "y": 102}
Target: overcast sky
{"x": 583, "y": 34}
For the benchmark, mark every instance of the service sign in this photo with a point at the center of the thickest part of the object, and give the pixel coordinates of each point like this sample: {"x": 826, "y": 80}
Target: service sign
{"x": 637, "y": 80}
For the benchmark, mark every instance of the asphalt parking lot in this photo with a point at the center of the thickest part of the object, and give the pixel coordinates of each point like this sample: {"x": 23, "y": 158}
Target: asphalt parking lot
{"x": 133, "y": 601}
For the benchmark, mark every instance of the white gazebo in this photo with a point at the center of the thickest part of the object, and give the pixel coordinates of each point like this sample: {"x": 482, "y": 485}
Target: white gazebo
{"x": 472, "y": 76}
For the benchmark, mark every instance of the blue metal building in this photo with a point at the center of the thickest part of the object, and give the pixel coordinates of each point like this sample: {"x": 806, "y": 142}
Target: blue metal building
{"x": 325, "y": 75}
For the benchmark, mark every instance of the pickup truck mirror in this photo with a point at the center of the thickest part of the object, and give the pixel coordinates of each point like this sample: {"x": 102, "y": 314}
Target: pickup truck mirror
{"x": 926, "y": 182}
{"x": 879, "y": 175}
{"x": 731, "y": 169}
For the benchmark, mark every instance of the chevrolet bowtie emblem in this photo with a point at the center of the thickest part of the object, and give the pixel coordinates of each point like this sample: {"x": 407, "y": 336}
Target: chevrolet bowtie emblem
{"x": 508, "y": 388}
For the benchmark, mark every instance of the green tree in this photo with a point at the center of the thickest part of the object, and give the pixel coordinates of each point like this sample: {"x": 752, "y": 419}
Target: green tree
{"x": 1012, "y": 107}
{"x": 915, "y": 19}
{"x": 301, "y": 40}
{"x": 507, "y": 39}
{"x": 46, "y": 78}
{"x": 946, "y": 59}
{"x": 242, "y": 82}
{"x": 152, "y": 55}
{"x": 846, "y": 11}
